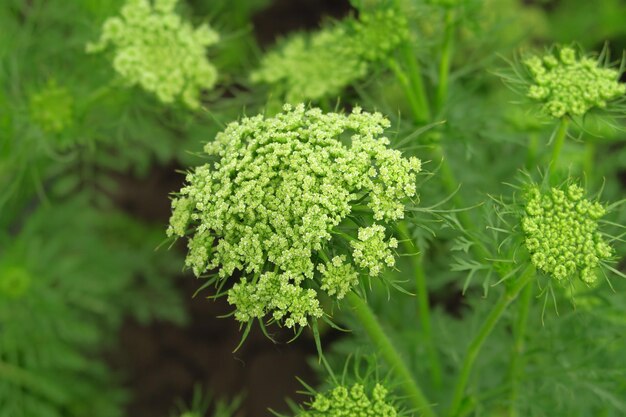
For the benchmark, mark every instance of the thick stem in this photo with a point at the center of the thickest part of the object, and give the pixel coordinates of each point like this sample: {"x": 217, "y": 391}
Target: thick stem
{"x": 417, "y": 84}
{"x": 444, "y": 63}
{"x": 487, "y": 327}
{"x": 531, "y": 155}
{"x": 414, "y": 102}
{"x": 589, "y": 160}
{"x": 374, "y": 330}
{"x": 517, "y": 355}
{"x": 559, "y": 140}
{"x": 423, "y": 304}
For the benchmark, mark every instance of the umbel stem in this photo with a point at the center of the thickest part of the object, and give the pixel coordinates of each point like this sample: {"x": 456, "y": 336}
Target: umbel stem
{"x": 444, "y": 63}
{"x": 374, "y": 330}
{"x": 517, "y": 355}
{"x": 488, "y": 325}
{"x": 559, "y": 140}
{"x": 423, "y": 303}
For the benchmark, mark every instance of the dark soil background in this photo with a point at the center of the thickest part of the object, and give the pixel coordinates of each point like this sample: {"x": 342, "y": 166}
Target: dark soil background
{"x": 162, "y": 363}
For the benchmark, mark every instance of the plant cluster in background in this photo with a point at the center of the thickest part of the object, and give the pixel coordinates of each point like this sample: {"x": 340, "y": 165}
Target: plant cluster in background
{"x": 384, "y": 186}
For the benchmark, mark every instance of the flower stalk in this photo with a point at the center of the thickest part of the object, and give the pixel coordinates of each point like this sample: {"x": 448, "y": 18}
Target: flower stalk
{"x": 374, "y": 330}
{"x": 517, "y": 355}
{"x": 423, "y": 304}
{"x": 559, "y": 140}
{"x": 487, "y": 327}
{"x": 444, "y": 63}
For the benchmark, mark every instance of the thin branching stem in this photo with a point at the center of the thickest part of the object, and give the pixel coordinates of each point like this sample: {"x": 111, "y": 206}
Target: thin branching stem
{"x": 559, "y": 140}
{"x": 589, "y": 158}
{"x": 416, "y": 81}
{"x": 444, "y": 62}
{"x": 374, "y": 330}
{"x": 516, "y": 369}
{"x": 531, "y": 154}
{"x": 423, "y": 303}
{"x": 485, "y": 330}
{"x": 405, "y": 82}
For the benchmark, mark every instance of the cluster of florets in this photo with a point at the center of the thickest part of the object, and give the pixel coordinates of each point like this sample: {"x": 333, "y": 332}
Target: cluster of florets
{"x": 568, "y": 85}
{"x": 318, "y": 65}
{"x": 272, "y": 204}
{"x": 158, "y": 51}
{"x": 52, "y": 108}
{"x": 562, "y": 236}
{"x": 353, "y": 402}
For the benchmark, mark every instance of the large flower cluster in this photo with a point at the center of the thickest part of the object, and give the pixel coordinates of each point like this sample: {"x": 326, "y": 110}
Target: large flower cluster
{"x": 562, "y": 234}
{"x": 568, "y": 85}
{"x": 158, "y": 51}
{"x": 351, "y": 401}
{"x": 275, "y": 206}
{"x": 319, "y": 65}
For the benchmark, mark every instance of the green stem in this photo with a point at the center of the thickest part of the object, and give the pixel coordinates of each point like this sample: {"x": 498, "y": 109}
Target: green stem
{"x": 517, "y": 355}
{"x": 444, "y": 63}
{"x": 487, "y": 327}
{"x": 559, "y": 140}
{"x": 374, "y": 330}
{"x": 531, "y": 156}
{"x": 590, "y": 156}
{"x": 403, "y": 79}
{"x": 423, "y": 304}
{"x": 415, "y": 77}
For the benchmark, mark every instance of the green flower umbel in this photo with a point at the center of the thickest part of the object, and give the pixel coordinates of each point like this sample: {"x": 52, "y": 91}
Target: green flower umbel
{"x": 52, "y": 108}
{"x": 277, "y": 204}
{"x": 158, "y": 51}
{"x": 569, "y": 85}
{"x": 351, "y": 401}
{"x": 321, "y": 64}
{"x": 562, "y": 236}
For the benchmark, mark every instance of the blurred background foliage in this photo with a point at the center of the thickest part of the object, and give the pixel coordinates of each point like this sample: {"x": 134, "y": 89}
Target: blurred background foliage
{"x": 86, "y": 164}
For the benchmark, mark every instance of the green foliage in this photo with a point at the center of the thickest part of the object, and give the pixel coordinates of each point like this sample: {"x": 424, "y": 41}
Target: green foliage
{"x": 63, "y": 294}
{"x": 485, "y": 299}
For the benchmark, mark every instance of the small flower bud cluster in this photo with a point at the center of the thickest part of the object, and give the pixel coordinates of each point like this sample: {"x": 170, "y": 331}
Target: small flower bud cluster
{"x": 158, "y": 51}
{"x": 338, "y": 277}
{"x": 52, "y": 108}
{"x": 561, "y": 229}
{"x": 353, "y": 402}
{"x": 311, "y": 67}
{"x": 269, "y": 207}
{"x": 568, "y": 85}
{"x": 14, "y": 281}
{"x": 371, "y": 251}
